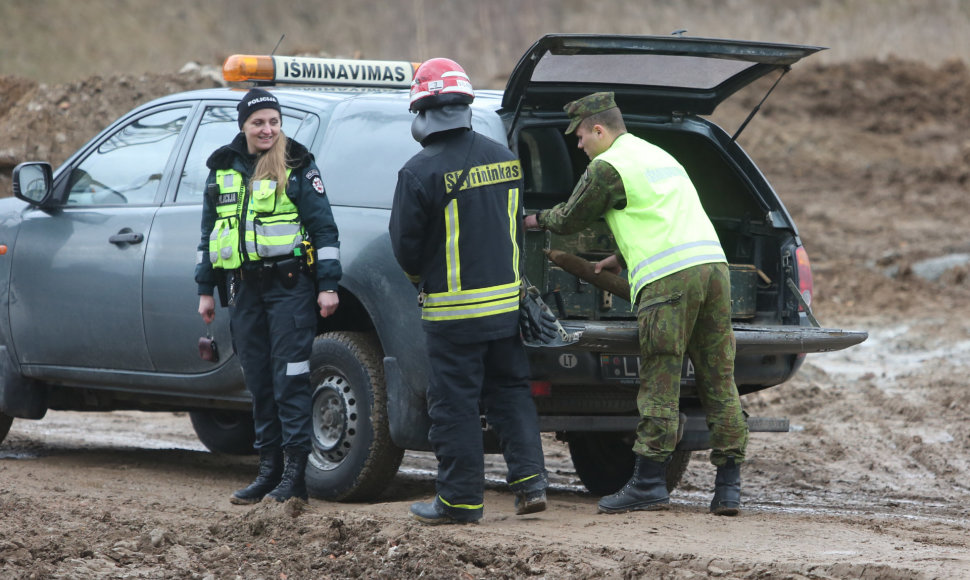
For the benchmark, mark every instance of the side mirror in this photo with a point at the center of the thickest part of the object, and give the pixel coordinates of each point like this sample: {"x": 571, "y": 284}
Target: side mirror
{"x": 32, "y": 182}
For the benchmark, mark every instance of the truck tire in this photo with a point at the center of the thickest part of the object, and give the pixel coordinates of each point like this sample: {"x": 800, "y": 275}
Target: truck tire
{"x": 604, "y": 461}
{"x": 5, "y": 421}
{"x": 229, "y": 432}
{"x": 353, "y": 457}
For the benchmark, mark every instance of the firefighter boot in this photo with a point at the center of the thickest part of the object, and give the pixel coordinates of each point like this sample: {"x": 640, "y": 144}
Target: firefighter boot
{"x": 727, "y": 489}
{"x": 530, "y": 494}
{"x": 268, "y": 477}
{"x": 293, "y": 483}
{"x": 436, "y": 513}
{"x": 646, "y": 490}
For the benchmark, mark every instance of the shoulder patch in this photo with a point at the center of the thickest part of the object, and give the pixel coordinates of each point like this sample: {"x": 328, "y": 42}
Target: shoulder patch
{"x": 318, "y": 185}
{"x": 312, "y": 173}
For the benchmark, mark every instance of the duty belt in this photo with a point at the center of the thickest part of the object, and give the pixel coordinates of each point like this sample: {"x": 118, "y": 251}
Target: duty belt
{"x": 266, "y": 267}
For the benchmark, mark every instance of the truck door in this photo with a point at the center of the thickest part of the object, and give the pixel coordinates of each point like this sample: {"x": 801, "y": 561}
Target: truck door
{"x": 76, "y": 277}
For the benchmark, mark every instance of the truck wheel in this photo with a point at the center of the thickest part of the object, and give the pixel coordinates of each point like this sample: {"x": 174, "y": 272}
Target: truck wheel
{"x": 604, "y": 461}
{"x": 228, "y": 432}
{"x": 5, "y": 421}
{"x": 353, "y": 457}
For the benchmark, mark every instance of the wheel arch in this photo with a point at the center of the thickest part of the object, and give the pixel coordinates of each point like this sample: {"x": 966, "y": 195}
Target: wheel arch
{"x": 376, "y": 297}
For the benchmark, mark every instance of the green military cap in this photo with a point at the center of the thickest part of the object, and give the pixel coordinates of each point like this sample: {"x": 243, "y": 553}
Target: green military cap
{"x": 589, "y": 105}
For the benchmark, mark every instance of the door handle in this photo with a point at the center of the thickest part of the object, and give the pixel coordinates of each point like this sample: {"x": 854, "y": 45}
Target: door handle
{"x": 127, "y": 238}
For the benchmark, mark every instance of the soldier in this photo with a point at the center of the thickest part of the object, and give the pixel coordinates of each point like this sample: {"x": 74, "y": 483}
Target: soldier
{"x": 456, "y": 232}
{"x": 680, "y": 284}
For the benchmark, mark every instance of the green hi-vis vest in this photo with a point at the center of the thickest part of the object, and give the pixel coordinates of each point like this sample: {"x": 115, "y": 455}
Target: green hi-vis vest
{"x": 663, "y": 228}
{"x": 272, "y": 225}
{"x": 496, "y": 261}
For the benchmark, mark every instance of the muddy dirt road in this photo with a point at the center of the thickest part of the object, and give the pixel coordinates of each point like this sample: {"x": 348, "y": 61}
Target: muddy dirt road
{"x": 870, "y": 483}
{"x": 872, "y": 160}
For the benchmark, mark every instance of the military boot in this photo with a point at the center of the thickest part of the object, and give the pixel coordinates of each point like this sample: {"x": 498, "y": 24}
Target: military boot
{"x": 727, "y": 489}
{"x": 293, "y": 483}
{"x": 268, "y": 477}
{"x": 646, "y": 490}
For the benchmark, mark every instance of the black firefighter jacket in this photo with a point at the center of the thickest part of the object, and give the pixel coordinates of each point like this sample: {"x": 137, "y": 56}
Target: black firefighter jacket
{"x": 456, "y": 231}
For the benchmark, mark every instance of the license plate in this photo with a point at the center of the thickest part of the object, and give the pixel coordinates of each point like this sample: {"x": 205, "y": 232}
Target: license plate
{"x": 626, "y": 368}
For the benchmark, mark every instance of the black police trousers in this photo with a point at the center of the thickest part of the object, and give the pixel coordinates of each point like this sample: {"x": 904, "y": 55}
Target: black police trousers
{"x": 490, "y": 376}
{"x": 272, "y": 332}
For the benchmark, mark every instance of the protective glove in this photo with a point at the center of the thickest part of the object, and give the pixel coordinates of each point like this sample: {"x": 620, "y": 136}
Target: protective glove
{"x": 536, "y": 320}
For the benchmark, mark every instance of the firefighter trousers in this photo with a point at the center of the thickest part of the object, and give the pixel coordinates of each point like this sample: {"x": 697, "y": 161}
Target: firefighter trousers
{"x": 467, "y": 380}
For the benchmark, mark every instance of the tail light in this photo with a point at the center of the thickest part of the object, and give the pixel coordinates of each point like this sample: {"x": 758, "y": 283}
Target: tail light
{"x": 805, "y": 283}
{"x": 541, "y": 388}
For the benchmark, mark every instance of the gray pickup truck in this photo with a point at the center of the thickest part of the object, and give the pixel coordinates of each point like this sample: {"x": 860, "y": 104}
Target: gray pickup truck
{"x": 98, "y": 306}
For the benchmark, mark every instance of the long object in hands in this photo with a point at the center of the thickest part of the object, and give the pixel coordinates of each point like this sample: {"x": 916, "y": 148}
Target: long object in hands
{"x": 584, "y": 270}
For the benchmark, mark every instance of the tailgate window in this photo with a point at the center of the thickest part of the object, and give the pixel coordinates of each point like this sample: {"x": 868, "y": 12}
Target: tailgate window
{"x": 689, "y": 72}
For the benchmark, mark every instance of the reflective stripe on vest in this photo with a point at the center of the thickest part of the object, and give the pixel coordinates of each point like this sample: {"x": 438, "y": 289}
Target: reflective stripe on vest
{"x": 224, "y": 239}
{"x": 456, "y": 303}
{"x": 663, "y": 228}
{"x": 272, "y": 225}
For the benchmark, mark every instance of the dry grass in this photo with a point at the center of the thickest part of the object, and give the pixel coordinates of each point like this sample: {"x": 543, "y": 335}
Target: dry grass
{"x": 65, "y": 40}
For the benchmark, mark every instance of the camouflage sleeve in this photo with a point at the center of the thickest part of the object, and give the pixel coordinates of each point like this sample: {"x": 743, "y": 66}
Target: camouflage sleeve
{"x": 599, "y": 189}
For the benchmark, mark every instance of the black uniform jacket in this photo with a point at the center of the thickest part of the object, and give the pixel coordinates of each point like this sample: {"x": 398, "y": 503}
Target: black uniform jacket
{"x": 305, "y": 189}
{"x": 488, "y": 225}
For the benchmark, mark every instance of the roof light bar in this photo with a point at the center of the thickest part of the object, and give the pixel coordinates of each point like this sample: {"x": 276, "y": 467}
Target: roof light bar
{"x": 319, "y": 71}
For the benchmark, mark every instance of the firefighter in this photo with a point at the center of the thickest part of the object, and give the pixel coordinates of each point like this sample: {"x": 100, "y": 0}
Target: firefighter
{"x": 455, "y": 231}
{"x": 680, "y": 284}
{"x": 267, "y": 229}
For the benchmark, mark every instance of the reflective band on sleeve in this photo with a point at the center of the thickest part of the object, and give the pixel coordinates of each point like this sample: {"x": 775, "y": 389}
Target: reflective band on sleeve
{"x": 198, "y": 257}
{"x": 328, "y": 253}
{"x": 297, "y": 368}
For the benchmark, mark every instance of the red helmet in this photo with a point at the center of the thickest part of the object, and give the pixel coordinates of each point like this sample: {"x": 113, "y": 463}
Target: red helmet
{"x": 439, "y": 82}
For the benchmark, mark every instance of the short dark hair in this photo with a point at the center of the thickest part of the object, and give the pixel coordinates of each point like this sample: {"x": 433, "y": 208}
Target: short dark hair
{"x": 612, "y": 119}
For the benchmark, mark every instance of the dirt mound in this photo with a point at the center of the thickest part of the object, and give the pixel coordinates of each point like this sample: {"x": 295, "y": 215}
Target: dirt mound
{"x": 872, "y": 159}
{"x": 50, "y": 122}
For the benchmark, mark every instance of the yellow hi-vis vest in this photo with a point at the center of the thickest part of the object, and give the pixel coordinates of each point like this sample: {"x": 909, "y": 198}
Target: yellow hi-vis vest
{"x": 663, "y": 228}
{"x": 272, "y": 224}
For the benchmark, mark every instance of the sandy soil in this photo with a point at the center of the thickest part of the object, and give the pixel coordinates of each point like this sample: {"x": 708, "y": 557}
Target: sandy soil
{"x": 871, "y": 159}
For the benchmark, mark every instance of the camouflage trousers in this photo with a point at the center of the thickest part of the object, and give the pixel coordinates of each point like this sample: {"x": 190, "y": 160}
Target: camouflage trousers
{"x": 688, "y": 312}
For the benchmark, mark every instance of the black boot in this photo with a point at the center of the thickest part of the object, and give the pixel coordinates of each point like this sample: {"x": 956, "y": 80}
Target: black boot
{"x": 727, "y": 490}
{"x": 530, "y": 495}
{"x": 293, "y": 483}
{"x": 646, "y": 490}
{"x": 268, "y": 477}
{"x": 435, "y": 513}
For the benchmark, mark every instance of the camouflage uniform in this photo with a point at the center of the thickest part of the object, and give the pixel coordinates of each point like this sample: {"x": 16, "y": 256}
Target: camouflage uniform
{"x": 684, "y": 312}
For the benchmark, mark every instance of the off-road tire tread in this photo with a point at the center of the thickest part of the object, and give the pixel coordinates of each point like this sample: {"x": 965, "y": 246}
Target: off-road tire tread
{"x": 384, "y": 458}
